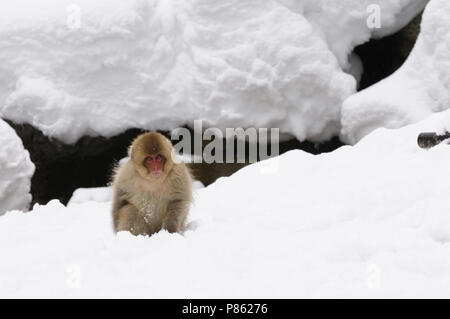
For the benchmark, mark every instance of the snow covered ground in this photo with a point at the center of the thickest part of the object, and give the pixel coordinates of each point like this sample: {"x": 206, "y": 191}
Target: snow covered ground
{"x": 370, "y": 220}
{"x": 109, "y": 65}
{"x": 421, "y": 86}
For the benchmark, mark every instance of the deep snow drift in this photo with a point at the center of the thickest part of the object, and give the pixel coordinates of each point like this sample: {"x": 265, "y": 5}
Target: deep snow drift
{"x": 158, "y": 64}
{"x": 421, "y": 86}
{"x": 365, "y": 221}
{"x": 16, "y": 171}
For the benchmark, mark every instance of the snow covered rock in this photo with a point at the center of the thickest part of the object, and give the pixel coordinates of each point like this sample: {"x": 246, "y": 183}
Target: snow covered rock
{"x": 421, "y": 86}
{"x": 157, "y": 64}
{"x": 365, "y": 221}
{"x": 344, "y": 24}
{"x": 16, "y": 171}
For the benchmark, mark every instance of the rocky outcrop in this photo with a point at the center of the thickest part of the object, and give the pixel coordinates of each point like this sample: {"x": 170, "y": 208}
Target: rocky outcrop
{"x": 61, "y": 168}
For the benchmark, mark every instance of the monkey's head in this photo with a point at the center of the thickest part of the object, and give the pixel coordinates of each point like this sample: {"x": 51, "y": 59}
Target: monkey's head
{"x": 151, "y": 154}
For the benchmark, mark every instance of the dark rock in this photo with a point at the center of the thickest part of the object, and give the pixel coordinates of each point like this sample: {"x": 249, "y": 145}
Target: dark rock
{"x": 62, "y": 168}
{"x": 431, "y": 139}
{"x": 208, "y": 173}
{"x": 382, "y": 57}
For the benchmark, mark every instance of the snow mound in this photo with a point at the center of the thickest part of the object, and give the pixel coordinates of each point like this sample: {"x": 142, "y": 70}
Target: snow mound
{"x": 365, "y": 221}
{"x": 343, "y": 24}
{"x": 95, "y": 194}
{"x": 161, "y": 64}
{"x": 421, "y": 86}
{"x": 16, "y": 171}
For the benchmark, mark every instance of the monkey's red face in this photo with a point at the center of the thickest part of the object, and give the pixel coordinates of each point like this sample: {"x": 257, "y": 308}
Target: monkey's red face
{"x": 155, "y": 164}
{"x": 151, "y": 155}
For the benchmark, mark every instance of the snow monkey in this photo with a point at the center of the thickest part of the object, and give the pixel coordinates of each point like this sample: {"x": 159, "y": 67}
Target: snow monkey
{"x": 151, "y": 191}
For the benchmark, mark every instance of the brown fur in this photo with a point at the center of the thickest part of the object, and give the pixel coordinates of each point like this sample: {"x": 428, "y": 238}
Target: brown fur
{"x": 142, "y": 204}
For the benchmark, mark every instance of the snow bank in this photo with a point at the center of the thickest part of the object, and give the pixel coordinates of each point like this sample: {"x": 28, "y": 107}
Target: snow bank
{"x": 16, "y": 171}
{"x": 104, "y": 194}
{"x": 161, "y": 64}
{"x": 365, "y": 221}
{"x": 421, "y": 86}
{"x": 343, "y": 23}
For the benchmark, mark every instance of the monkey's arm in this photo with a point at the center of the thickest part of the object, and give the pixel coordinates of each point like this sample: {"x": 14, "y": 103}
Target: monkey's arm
{"x": 118, "y": 203}
{"x": 126, "y": 216}
{"x": 175, "y": 218}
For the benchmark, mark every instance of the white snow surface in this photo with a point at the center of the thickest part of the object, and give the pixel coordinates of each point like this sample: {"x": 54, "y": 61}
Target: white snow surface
{"x": 159, "y": 64}
{"x": 421, "y": 86}
{"x": 370, "y": 220}
{"x": 16, "y": 170}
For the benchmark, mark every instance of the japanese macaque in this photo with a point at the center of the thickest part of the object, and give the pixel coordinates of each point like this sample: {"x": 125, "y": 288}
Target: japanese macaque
{"x": 152, "y": 191}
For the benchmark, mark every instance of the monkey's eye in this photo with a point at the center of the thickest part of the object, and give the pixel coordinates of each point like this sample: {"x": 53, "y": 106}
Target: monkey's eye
{"x": 157, "y": 158}
{"x": 160, "y": 158}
